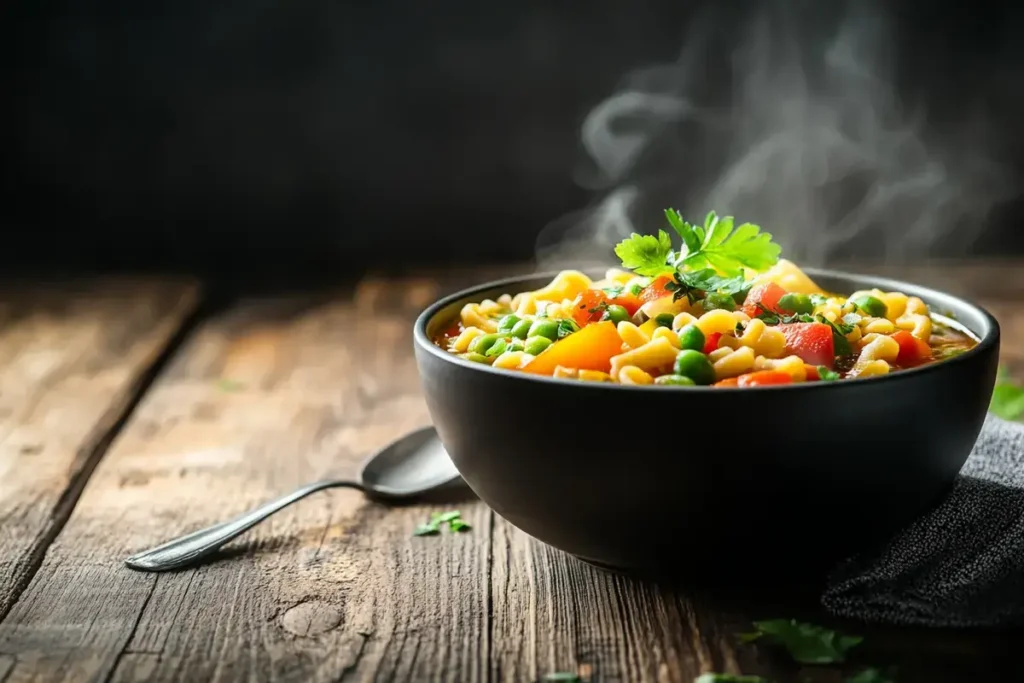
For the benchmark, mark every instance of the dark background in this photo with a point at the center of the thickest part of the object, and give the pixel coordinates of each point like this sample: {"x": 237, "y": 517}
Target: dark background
{"x": 264, "y": 136}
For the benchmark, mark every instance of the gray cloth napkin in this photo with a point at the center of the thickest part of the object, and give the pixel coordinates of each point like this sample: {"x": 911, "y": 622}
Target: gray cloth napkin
{"x": 960, "y": 565}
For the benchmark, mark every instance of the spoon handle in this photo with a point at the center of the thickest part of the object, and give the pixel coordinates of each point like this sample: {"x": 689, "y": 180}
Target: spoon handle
{"x": 194, "y": 546}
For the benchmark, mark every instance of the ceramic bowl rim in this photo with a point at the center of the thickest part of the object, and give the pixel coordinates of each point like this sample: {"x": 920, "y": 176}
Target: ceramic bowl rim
{"x": 986, "y": 341}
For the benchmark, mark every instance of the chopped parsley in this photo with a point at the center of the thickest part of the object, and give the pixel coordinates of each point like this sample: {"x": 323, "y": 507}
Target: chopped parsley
{"x": 694, "y": 284}
{"x": 453, "y": 518}
{"x": 826, "y": 375}
{"x": 806, "y": 643}
{"x": 1007, "y": 397}
{"x": 840, "y": 344}
{"x": 566, "y": 327}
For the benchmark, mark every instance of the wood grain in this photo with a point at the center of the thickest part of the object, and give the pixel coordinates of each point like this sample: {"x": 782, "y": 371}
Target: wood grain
{"x": 72, "y": 358}
{"x": 276, "y": 392}
{"x": 268, "y": 396}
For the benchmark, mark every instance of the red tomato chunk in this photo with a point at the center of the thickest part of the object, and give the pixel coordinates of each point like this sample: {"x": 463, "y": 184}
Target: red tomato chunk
{"x": 766, "y": 295}
{"x": 811, "y": 341}
{"x": 913, "y": 351}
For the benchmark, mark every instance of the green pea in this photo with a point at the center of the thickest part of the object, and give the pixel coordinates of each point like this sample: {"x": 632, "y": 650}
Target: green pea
{"x": 477, "y": 358}
{"x": 696, "y": 366}
{"x": 521, "y": 330}
{"x": 664, "y": 320}
{"x": 484, "y": 342}
{"x": 544, "y": 328}
{"x": 674, "y": 380}
{"x": 796, "y": 303}
{"x": 508, "y": 322}
{"x": 716, "y": 300}
{"x": 690, "y": 337}
{"x": 516, "y": 345}
{"x": 873, "y": 306}
{"x": 534, "y": 345}
{"x": 616, "y": 314}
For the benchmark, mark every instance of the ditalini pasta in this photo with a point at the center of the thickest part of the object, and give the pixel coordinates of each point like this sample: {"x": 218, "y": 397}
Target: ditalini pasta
{"x": 721, "y": 309}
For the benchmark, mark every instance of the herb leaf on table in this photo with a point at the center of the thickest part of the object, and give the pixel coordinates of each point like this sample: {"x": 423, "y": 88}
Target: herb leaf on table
{"x": 870, "y": 676}
{"x": 1007, "y": 397}
{"x": 453, "y": 518}
{"x": 806, "y": 643}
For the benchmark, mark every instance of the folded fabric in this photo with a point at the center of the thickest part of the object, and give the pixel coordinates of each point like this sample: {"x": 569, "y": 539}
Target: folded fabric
{"x": 960, "y": 565}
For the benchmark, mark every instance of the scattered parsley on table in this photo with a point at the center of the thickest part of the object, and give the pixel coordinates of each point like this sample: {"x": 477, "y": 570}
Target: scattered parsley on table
{"x": 453, "y": 518}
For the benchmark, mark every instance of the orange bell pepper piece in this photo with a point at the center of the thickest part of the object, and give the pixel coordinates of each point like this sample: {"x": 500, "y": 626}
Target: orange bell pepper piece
{"x": 591, "y": 348}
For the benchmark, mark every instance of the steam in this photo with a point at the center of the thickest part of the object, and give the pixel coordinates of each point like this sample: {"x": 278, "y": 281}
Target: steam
{"x": 793, "y": 122}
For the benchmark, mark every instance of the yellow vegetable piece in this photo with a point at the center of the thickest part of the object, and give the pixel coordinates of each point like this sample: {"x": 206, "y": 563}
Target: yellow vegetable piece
{"x": 591, "y": 348}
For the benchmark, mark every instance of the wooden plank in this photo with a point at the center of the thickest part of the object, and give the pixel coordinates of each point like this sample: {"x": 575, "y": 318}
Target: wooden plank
{"x": 553, "y": 614}
{"x": 259, "y": 400}
{"x": 72, "y": 359}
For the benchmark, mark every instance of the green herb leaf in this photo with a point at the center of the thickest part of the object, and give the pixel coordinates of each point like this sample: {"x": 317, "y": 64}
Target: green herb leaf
{"x": 1007, "y": 397}
{"x": 646, "y": 254}
{"x": 687, "y": 233}
{"x": 440, "y": 517}
{"x": 826, "y": 375}
{"x": 806, "y": 643}
{"x": 566, "y": 327}
{"x": 729, "y": 678}
{"x": 722, "y": 247}
{"x": 563, "y": 677}
{"x": 870, "y": 676}
{"x": 426, "y": 530}
{"x": 695, "y": 284}
{"x": 458, "y": 525}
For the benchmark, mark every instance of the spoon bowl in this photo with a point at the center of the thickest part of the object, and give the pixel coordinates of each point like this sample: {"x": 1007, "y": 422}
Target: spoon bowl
{"x": 410, "y": 466}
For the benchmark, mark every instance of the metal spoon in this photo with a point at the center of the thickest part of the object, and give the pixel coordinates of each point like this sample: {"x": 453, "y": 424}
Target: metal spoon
{"x": 412, "y": 465}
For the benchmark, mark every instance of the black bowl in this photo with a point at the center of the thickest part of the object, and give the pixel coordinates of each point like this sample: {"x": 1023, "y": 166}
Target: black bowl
{"x": 708, "y": 482}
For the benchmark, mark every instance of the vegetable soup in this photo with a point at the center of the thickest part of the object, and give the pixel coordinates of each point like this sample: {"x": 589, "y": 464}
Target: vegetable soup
{"x": 722, "y": 309}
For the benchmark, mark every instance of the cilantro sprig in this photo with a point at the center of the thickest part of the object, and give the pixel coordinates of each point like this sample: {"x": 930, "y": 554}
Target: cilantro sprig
{"x": 718, "y": 245}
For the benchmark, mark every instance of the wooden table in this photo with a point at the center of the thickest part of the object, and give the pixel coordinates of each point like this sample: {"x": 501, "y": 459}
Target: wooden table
{"x": 132, "y": 412}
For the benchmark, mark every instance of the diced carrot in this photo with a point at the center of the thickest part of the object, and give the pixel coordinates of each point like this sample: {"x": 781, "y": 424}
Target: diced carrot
{"x": 730, "y": 382}
{"x": 763, "y": 378}
{"x": 913, "y": 351}
{"x": 591, "y": 348}
{"x": 811, "y": 341}
{"x": 766, "y": 295}
{"x": 812, "y": 372}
